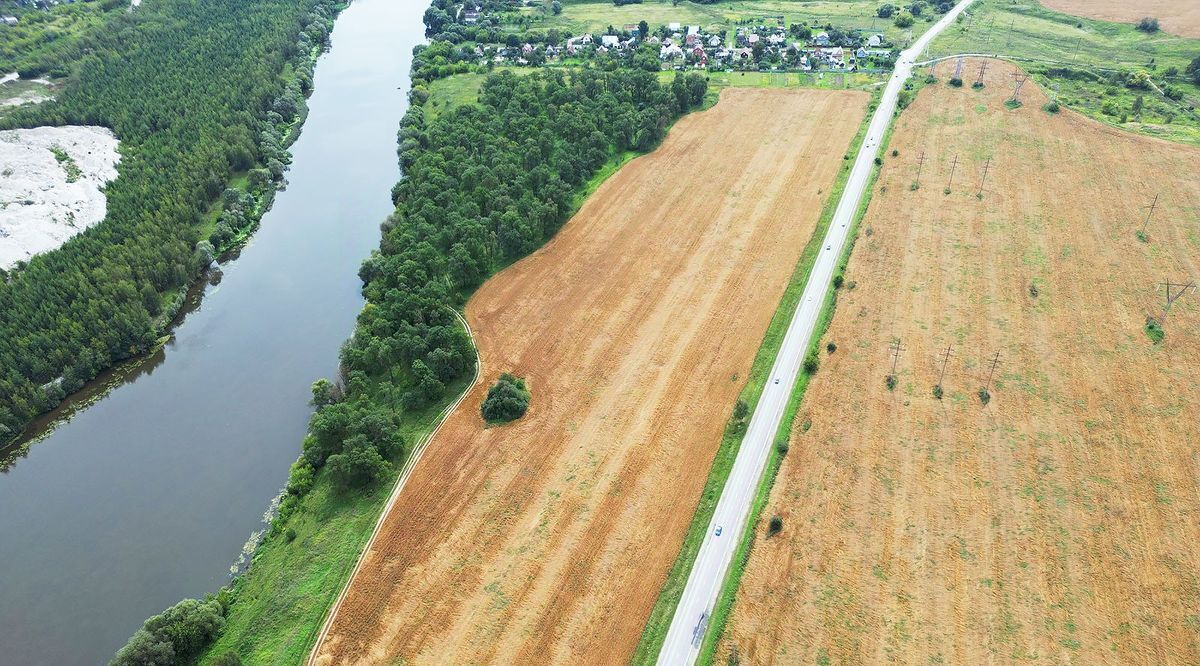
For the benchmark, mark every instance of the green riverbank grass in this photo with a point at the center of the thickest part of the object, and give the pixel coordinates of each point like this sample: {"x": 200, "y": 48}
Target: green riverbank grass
{"x": 727, "y": 595}
{"x": 668, "y": 598}
{"x": 280, "y": 604}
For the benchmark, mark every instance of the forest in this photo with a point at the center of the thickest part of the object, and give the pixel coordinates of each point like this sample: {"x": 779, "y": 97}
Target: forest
{"x": 196, "y": 92}
{"x": 483, "y": 186}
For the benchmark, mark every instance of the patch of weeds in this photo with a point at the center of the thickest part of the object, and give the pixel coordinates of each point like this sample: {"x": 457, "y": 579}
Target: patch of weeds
{"x": 977, "y": 85}
{"x": 946, "y": 190}
{"x": 1154, "y": 330}
{"x": 68, "y": 163}
{"x": 984, "y": 396}
{"x": 1033, "y": 290}
{"x": 890, "y": 381}
{"x": 915, "y": 186}
{"x": 831, "y": 347}
{"x": 1051, "y": 107}
{"x": 1141, "y": 235}
{"x": 1012, "y": 103}
{"x": 937, "y": 391}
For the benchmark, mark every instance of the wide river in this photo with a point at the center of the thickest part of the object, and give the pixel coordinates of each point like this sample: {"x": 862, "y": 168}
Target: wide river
{"x": 147, "y": 496}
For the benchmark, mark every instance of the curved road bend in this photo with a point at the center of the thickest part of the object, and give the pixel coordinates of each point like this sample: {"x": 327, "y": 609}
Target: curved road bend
{"x": 682, "y": 645}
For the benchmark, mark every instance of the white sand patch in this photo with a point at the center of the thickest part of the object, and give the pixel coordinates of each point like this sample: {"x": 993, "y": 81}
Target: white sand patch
{"x": 45, "y": 201}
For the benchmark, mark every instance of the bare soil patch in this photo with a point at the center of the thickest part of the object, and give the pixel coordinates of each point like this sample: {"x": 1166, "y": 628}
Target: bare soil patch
{"x": 51, "y": 186}
{"x": 1059, "y": 522}
{"x": 546, "y": 540}
{"x": 1178, "y": 17}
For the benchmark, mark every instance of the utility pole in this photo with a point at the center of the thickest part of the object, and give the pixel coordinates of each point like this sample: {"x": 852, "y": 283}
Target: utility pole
{"x": 1152, "y": 206}
{"x": 992, "y": 371}
{"x": 937, "y": 388}
{"x": 1173, "y": 295}
{"x": 920, "y": 164}
{"x": 958, "y": 69}
{"x": 982, "y": 71}
{"x": 896, "y": 348}
{"x": 983, "y": 180}
{"x": 953, "y": 168}
{"x": 1019, "y": 79}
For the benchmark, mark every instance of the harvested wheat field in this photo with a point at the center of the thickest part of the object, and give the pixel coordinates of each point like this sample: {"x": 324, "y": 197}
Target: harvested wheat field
{"x": 1058, "y": 524}
{"x": 546, "y": 540}
{"x": 1178, "y": 17}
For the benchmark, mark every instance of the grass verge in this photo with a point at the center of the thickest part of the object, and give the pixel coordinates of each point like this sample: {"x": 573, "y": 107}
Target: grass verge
{"x": 668, "y": 597}
{"x": 727, "y": 595}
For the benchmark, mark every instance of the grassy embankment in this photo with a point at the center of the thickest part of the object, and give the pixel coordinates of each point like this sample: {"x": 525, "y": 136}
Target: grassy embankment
{"x": 1086, "y": 64}
{"x": 660, "y": 616}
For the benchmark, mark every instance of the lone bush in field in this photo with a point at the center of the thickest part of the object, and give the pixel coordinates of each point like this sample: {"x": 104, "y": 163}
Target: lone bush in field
{"x": 1154, "y": 330}
{"x": 774, "y": 526}
{"x": 506, "y": 400}
{"x": 937, "y": 391}
{"x": 984, "y": 396}
{"x": 890, "y": 382}
{"x": 1148, "y": 24}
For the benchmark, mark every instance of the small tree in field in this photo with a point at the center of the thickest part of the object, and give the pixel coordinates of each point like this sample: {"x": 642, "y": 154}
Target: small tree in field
{"x": 774, "y": 526}
{"x": 506, "y": 400}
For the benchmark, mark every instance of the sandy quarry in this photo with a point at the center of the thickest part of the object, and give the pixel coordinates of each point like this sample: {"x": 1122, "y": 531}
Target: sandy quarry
{"x": 1178, "y": 17}
{"x": 1060, "y": 523}
{"x": 546, "y": 541}
{"x": 39, "y": 208}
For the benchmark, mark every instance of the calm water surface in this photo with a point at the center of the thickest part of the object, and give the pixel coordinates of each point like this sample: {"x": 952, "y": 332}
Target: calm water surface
{"x": 147, "y": 496}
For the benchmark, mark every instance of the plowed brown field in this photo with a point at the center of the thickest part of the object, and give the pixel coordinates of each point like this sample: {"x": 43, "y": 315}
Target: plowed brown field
{"x": 1178, "y": 17}
{"x": 1058, "y": 524}
{"x": 546, "y": 540}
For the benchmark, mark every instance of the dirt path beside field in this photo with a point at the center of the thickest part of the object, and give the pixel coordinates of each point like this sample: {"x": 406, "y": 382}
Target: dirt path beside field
{"x": 546, "y": 540}
{"x": 1178, "y": 17}
{"x": 1059, "y": 523}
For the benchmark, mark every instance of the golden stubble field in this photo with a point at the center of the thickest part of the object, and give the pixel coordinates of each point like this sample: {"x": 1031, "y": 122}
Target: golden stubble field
{"x": 1178, "y": 17}
{"x": 1061, "y": 522}
{"x": 547, "y": 540}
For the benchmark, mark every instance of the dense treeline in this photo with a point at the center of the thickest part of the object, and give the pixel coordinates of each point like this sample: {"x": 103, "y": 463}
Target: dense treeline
{"x": 483, "y": 186}
{"x": 195, "y": 91}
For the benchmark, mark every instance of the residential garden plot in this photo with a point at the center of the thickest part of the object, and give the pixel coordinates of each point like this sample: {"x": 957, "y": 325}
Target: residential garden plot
{"x": 1176, "y": 17}
{"x": 1056, "y": 523}
{"x": 547, "y": 539}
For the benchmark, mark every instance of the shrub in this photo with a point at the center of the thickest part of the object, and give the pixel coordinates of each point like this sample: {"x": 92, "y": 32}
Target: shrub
{"x": 984, "y": 396}
{"x": 1141, "y": 235}
{"x": 774, "y": 525}
{"x": 885, "y": 11}
{"x": 1012, "y": 103}
{"x": 937, "y": 391}
{"x": 230, "y": 658}
{"x": 1154, "y": 330}
{"x": 878, "y": 160}
{"x": 956, "y": 82}
{"x": 838, "y": 281}
{"x": 173, "y": 636}
{"x": 782, "y": 447}
{"x": 904, "y": 20}
{"x": 1051, "y": 107}
{"x": 977, "y": 85}
{"x": 890, "y": 382}
{"x": 358, "y": 465}
{"x": 831, "y": 347}
{"x": 506, "y": 400}
{"x": 895, "y": 152}
{"x": 1148, "y": 24}
{"x": 811, "y": 363}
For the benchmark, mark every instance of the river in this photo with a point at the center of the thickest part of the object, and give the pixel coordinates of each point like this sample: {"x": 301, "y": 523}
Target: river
{"x": 146, "y": 497}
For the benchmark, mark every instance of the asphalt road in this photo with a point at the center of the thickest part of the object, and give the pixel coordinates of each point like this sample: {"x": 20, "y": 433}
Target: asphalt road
{"x": 690, "y": 621}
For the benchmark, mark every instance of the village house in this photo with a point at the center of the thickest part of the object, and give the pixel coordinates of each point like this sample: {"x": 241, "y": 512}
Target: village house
{"x": 714, "y": 41}
{"x": 821, "y": 39}
{"x": 610, "y": 41}
{"x": 670, "y": 52}
{"x": 874, "y": 40}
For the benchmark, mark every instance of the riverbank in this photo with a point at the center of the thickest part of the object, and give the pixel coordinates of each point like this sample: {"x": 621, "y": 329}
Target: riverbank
{"x": 148, "y": 495}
